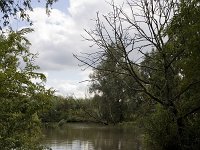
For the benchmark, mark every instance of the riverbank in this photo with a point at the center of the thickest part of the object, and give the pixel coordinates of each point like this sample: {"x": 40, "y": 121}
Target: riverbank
{"x": 64, "y": 122}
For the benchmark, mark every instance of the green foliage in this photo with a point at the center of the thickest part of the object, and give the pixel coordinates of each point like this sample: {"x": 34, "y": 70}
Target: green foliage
{"x": 115, "y": 97}
{"x": 10, "y": 9}
{"x": 21, "y": 99}
{"x": 192, "y": 132}
{"x": 161, "y": 130}
{"x": 22, "y": 92}
{"x": 65, "y": 110}
{"x": 184, "y": 33}
{"x": 179, "y": 131}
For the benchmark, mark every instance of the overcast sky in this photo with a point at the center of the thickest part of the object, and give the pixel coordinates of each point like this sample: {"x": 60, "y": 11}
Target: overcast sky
{"x": 58, "y": 36}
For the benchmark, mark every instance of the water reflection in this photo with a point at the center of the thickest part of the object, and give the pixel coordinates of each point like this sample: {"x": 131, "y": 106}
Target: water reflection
{"x": 91, "y": 137}
{"x": 73, "y": 145}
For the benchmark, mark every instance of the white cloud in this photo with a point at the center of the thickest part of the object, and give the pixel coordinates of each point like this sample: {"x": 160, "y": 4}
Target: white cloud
{"x": 55, "y": 38}
{"x": 58, "y": 36}
{"x": 70, "y": 88}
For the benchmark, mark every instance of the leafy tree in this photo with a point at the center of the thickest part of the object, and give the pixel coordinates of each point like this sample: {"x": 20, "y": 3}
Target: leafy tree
{"x": 184, "y": 34}
{"x": 22, "y": 92}
{"x": 21, "y": 98}
{"x": 114, "y": 89}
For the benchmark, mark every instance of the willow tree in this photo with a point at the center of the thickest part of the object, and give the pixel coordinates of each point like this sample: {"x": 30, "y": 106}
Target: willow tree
{"x": 144, "y": 30}
{"x": 114, "y": 91}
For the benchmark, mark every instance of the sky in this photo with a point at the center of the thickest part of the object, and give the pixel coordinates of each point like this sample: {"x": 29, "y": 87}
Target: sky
{"x": 58, "y": 36}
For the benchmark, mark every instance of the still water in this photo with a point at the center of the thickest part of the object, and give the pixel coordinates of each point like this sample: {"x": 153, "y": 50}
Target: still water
{"x": 75, "y": 136}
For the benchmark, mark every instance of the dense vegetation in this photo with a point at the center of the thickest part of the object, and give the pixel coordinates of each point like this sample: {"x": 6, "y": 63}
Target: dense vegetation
{"x": 146, "y": 71}
{"x": 21, "y": 99}
{"x": 22, "y": 93}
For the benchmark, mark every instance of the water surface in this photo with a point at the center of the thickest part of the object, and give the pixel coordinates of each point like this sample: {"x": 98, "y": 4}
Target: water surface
{"x": 76, "y": 136}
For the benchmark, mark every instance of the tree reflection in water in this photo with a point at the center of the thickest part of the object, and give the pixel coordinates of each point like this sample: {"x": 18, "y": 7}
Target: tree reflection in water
{"x": 75, "y": 136}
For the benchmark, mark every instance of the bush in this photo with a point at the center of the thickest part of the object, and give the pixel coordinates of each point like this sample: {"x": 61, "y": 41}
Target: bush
{"x": 160, "y": 130}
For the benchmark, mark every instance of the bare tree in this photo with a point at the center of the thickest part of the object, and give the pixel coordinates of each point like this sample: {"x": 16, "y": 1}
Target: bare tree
{"x": 135, "y": 31}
